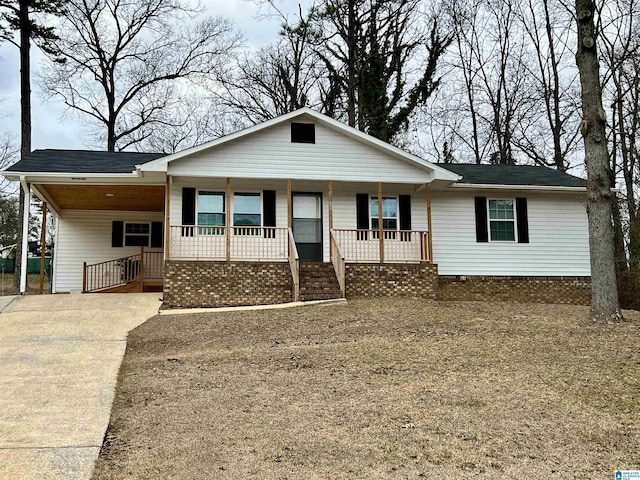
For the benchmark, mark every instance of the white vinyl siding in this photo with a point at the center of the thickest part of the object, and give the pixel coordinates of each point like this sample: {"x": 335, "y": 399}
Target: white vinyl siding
{"x": 558, "y": 237}
{"x": 85, "y": 236}
{"x": 270, "y": 154}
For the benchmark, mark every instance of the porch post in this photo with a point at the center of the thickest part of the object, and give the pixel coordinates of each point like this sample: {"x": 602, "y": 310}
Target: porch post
{"x": 429, "y": 237}
{"x": 43, "y": 241}
{"x": 227, "y": 207}
{"x": 141, "y": 269}
{"x": 330, "y": 217}
{"x": 289, "y": 206}
{"x": 25, "y": 237}
{"x": 167, "y": 217}
{"x": 380, "y": 228}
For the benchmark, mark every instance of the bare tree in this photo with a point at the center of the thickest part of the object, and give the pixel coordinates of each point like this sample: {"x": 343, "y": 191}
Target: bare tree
{"x": 604, "y": 294}
{"x": 8, "y": 156}
{"x": 126, "y": 61}
{"x": 552, "y": 135}
{"x": 191, "y": 122}
{"x": 386, "y": 54}
{"x": 490, "y": 84}
{"x": 275, "y": 80}
{"x": 620, "y": 50}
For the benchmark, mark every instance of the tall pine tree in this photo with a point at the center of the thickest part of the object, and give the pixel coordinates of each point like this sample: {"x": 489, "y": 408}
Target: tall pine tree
{"x": 18, "y": 27}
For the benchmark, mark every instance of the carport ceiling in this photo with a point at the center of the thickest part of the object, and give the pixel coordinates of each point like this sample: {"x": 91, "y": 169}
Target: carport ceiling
{"x": 140, "y": 198}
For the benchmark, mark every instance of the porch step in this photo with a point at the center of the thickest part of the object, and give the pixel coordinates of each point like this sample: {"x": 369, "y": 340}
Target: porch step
{"x": 318, "y": 282}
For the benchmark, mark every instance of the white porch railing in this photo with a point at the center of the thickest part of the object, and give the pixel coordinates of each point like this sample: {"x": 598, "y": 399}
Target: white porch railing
{"x": 404, "y": 246}
{"x": 245, "y": 243}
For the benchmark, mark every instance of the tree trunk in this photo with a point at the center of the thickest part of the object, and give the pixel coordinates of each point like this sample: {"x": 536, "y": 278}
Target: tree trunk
{"x": 25, "y": 119}
{"x": 604, "y": 293}
{"x": 351, "y": 67}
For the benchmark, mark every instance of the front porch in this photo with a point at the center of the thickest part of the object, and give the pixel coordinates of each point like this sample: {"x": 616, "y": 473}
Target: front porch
{"x": 252, "y": 227}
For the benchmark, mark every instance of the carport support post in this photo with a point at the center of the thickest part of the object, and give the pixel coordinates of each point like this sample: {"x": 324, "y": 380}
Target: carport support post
{"x": 25, "y": 236}
{"x": 167, "y": 217}
{"x": 227, "y": 207}
{"x": 380, "y": 227}
{"x": 429, "y": 236}
{"x": 330, "y": 216}
{"x": 43, "y": 245}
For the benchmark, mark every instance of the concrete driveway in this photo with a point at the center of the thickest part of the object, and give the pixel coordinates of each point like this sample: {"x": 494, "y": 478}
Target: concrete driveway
{"x": 59, "y": 361}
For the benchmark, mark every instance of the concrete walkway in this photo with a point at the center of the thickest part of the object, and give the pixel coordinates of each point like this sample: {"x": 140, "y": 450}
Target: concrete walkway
{"x": 59, "y": 361}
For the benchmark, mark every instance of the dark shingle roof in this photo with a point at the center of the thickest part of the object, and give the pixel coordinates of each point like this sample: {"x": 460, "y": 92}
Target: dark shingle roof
{"x": 512, "y": 175}
{"x": 82, "y": 161}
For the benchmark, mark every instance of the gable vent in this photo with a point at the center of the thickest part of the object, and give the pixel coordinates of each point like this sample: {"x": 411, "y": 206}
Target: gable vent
{"x": 303, "y": 133}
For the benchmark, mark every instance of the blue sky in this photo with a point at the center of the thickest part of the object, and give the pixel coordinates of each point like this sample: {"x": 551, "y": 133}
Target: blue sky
{"x": 52, "y": 128}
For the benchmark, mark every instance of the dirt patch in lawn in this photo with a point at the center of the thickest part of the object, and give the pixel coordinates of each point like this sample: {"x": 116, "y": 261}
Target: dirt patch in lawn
{"x": 378, "y": 389}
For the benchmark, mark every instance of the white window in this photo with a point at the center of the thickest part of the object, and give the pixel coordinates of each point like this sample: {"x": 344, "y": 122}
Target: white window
{"x": 211, "y": 210}
{"x": 389, "y": 213}
{"x": 137, "y": 234}
{"x": 502, "y": 220}
{"x": 246, "y": 210}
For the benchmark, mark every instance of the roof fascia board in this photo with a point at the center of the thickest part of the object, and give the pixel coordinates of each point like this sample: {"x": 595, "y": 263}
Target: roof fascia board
{"x": 410, "y": 181}
{"x": 10, "y": 175}
{"x": 489, "y": 186}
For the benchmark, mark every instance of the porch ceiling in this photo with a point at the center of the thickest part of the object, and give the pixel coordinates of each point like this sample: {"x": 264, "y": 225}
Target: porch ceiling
{"x": 141, "y": 198}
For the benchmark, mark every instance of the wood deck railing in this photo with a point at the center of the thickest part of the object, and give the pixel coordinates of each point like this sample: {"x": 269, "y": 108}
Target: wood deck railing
{"x": 122, "y": 271}
{"x": 245, "y": 243}
{"x": 294, "y": 263}
{"x": 337, "y": 259}
{"x": 400, "y": 246}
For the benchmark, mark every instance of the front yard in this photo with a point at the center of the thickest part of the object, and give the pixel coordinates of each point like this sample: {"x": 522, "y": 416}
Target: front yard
{"x": 378, "y": 389}
{"x": 33, "y": 284}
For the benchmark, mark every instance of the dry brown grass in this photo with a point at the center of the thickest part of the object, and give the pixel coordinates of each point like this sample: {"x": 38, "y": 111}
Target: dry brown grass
{"x": 33, "y": 282}
{"x": 378, "y": 389}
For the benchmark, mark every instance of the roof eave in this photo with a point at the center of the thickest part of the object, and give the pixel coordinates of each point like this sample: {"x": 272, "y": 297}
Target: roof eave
{"x": 15, "y": 176}
{"x": 490, "y": 186}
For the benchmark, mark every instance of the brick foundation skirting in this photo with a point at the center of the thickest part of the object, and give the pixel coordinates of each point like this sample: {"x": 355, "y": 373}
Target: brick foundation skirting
{"x": 190, "y": 284}
{"x": 391, "y": 280}
{"x": 563, "y": 290}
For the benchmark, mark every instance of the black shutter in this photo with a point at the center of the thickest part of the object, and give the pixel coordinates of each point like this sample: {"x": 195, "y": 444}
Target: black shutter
{"x": 269, "y": 208}
{"x": 362, "y": 211}
{"x": 188, "y": 206}
{"x": 362, "y": 214}
{"x": 404, "y": 202}
{"x": 482, "y": 229}
{"x": 117, "y": 233}
{"x": 269, "y": 212}
{"x": 157, "y": 235}
{"x": 523, "y": 220}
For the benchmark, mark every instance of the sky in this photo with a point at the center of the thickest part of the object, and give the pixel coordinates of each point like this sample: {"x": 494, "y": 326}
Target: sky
{"x": 55, "y": 127}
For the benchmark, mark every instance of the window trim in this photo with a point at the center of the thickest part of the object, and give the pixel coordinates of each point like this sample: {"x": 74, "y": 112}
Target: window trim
{"x": 224, "y": 206}
{"x": 232, "y": 201}
{"x": 125, "y": 234}
{"x": 397, "y": 217}
{"x": 514, "y": 219}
